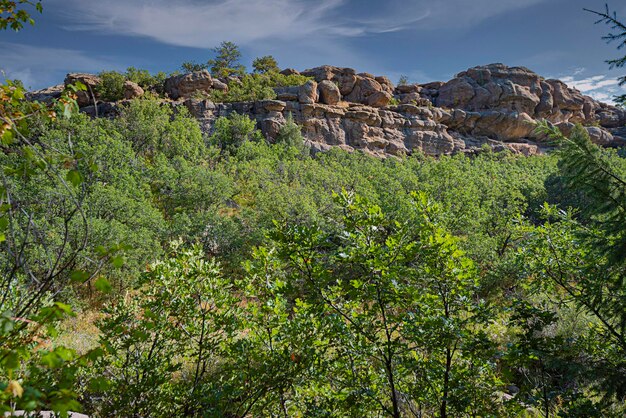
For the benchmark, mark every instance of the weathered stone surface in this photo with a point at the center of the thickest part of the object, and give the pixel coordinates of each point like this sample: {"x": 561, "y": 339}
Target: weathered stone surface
{"x": 379, "y": 99}
{"x": 273, "y": 105}
{"x": 186, "y": 84}
{"x": 132, "y": 90}
{"x": 46, "y": 95}
{"x": 219, "y": 85}
{"x": 328, "y": 92}
{"x": 363, "y": 88}
{"x": 307, "y": 92}
{"x": 386, "y": 84}
{"x": 596, "y": 134}
{"x": 491, "y": 105}
{"x": 287, "y": 93}
{"x": 200, "y": 109}
{"x": 88, "y": 97}
{"x": 289, "y": 71}
{"x": 517, "y": 89}
{"x": 408, "y": 88}
{"x": 344, "y": 77}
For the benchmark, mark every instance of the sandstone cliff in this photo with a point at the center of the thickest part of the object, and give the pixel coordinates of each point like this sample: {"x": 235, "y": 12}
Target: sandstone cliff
{"x": 494, "y": 105}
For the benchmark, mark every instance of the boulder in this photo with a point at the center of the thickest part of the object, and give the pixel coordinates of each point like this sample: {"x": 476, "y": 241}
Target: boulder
{"x": 200, "y": 109}
{"x": 289, "y": 71}
{"x": 456, "y": 93}
{"x": 91, "y": 81}
{"x": 289, "y": 93}
{"x": 517, "y": 89}
{"x": 328, "y": 92}
{"x": 273, "y": 105}
{"x": 597, "y": 134}
{"x": 132, "y": 90}
{"x": 385, "y": 83}
{"x": 219, "y": 85}
{"x": 344, "y": 77}
{"x": 307, "y": 92}
{"x": 408, "y": 88}
{"x": 184, "y": 85}
{"x": 379, "y": 99}
{"x": 363, "y": 88}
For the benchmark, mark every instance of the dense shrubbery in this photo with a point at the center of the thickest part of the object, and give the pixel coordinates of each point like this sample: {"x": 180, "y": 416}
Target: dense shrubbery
{"x": 283, "y": 298}
{"x": 112, "y": 86}
{"x": 230, "y": 277}
{"x": 257, "y": 86}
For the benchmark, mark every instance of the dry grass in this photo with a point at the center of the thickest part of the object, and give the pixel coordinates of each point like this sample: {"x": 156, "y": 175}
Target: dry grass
{"x": 80, "y": 333}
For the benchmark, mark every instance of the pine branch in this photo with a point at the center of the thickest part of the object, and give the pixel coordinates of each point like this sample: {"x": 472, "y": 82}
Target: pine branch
{"x": 618, "y": 34}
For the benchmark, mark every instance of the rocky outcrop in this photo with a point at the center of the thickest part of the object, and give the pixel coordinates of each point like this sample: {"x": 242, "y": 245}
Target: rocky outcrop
{"x": 89, "y": 96}
{"x": 503, "y": 103}
{"x": 491, "y": 105}
{"x": 132, "y": 90}
{"x": 184, "y": 85}
{"x": 360, "y": 88}
{"x": 395, "y": 130}
{"x": 46, "y": 95}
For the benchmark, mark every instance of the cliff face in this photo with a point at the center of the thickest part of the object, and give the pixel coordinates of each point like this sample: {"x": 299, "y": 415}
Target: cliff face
{"x": 493, "y": 104}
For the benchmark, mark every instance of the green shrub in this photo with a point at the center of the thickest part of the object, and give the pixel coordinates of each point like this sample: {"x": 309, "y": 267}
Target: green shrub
{"x": 290, "y": 134}
{"x": 111, "y": 88}
{"x": 265, "y": 65}
{"x": 144, "y": 78}
{"x": 233, "y": 131}
{"x": 253, "y": 87}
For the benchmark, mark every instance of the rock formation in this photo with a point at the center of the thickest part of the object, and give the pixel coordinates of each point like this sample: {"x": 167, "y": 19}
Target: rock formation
{"x": 132, "y": 90}
{"x": 184, "y": 85}
{"x": 89, "y": 96}
{"x": 492, "y": 105}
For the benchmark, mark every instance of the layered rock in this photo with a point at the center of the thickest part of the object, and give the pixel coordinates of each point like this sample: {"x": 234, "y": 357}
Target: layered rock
{"x": 491, "y": 105}
{"x": 360, "y": 88}
{"x": 184, "y": 85}
{"x": 46, "y": 95}
{"x": 395, "y": 130}
{"x": 503, "y": 102}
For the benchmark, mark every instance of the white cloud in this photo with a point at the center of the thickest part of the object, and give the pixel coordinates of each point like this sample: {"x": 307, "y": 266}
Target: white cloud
{"x": 203, "y": 24}
{"x": 600, "y": 87}
{"x": 38, "y": 66}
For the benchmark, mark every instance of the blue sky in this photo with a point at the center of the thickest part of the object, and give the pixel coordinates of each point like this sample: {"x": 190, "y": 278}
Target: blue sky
{"x": 426, "y": 40}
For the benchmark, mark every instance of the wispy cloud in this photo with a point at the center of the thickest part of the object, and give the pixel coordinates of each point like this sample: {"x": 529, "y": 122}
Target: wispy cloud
{"x": 38, "y": 66}
{"x": 202, "y": 24}
{"x": 600, "y": 87}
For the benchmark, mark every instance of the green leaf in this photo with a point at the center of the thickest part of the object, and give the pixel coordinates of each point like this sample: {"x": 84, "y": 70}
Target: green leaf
{"x": 67, "y": 309}
{"x": 11, "y": 360}
{"x": 74, "y": 177}
{"x": 8, "y": 137}
{"x": 103, "y": 285}
{"x": 117, "y": 261}
{"x": 79, "y": 276}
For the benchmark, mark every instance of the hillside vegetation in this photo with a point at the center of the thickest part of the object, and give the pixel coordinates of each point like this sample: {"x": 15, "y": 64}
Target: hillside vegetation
{"x": 150, "y": 268}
